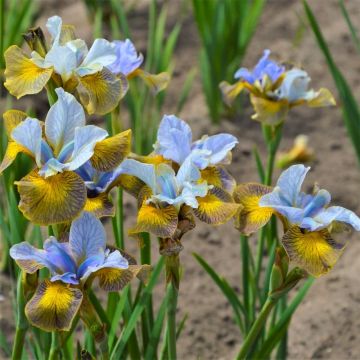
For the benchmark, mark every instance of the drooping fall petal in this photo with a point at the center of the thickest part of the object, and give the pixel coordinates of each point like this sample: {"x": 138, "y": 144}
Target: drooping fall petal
{"x": 51, "y": 200}
{"x": 315, "y": 251}
{"x": 252, "y": 216}
{"x": 23, "y": 77}
{"x": 53, "y": 306}
{"x": 217, "y": 207}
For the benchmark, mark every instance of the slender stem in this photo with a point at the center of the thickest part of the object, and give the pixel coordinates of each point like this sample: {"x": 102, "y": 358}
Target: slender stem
{"x": 245, "y": 279}
{"x": 256, "y": 328}
{"x": 22, "y": 323}
{"x": 171, "y": 321}
{"x": 54, "y": 350}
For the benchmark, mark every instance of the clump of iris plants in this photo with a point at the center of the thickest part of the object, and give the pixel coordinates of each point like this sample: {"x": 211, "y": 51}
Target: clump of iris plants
{"x": 74, "y": 181}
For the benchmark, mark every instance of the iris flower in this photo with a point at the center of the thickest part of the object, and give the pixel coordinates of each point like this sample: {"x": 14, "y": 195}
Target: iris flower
{"x": 165, "y": 197}
{"x": 70, "y": 65}
{"x": 128, "y": 62}
{"x": 53, "y": 192}
{"x": 275, "y": 90}
{"x": 309, "y": 221}
{"x": 73, "y": 266}
{"x": 209, "y": 154}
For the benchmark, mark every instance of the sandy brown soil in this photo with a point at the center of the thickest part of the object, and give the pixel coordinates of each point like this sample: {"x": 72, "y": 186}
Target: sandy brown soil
{"x": 327, "y": 324}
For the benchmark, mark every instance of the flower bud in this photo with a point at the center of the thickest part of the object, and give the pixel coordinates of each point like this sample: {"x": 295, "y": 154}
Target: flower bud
{"x": 36, "y": 40}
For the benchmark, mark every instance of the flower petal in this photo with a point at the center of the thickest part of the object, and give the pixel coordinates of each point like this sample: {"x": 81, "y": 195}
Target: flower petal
{"x": 62, "y": 119}
{"x": 219, "y": 145}
{"x": 252, "y": 216}
{"x": 12, "y": 118}
{"x": 109, "y": 153}
{"x": 101, "y": 53}
{"x": 161, "y": 222}
{"x": 174, "y": 139}
{"x": 323, "y": 97}
{"x": 267, "y": 111}
{"x": 28, "y": 135}
{"x": 117, "y": 279}
{"x": 336, "y": 213}
{"x": 316, "y": 252}
{"x": 230, "y": 92}
{"x": 53, "y": 306}
{"x": 28, "y": 257}
{"x": 53, "y": 200}
{"x": 127, "y": 58}
{"x": 144, "y": 172}
{"x": 85, "y": 139}
{"x": 87, "y": 237}
{"x": 63, "y": 60}
{"x": 12, "y": 150}
{"x": 217, "y": 207}
{"x": 218, "y": 176}
{"x": 156, "y": 82}
{"x": 289, "y": 182}
{"x": 23, "y": 77}
{"x": 101, "y": 92}
{"x": 100, "y": 205}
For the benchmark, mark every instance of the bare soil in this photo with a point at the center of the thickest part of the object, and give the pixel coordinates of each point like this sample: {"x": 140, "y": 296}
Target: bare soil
{"x": 327, "y": 323}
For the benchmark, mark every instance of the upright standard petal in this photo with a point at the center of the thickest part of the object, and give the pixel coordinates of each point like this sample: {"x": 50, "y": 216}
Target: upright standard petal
{"x": 53, "y": 306}
{"x": 54, "y": 25}
{"x": 174, "y": 139}
{"x": 290, "y": 182}
{"x": 62, "y": 120}
{"x": 23, "y": 77}
{"x": 87, "y": 237}
{"x": 127, "y": 58}
{"x": 315, "y": 252}
{"x": 109, "y": 153}
{"x": 101, "y": 92}
{"x": 53, "y": 200}
{"x": 28, "y": 134}
{"x": 85, "y": 140}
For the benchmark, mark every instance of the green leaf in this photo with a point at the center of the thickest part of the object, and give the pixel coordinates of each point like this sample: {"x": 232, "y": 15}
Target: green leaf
{"x": 277, "y": 332}
{"x": 351, "y": 113}
{"x": 151, "y": 349}
{"x": 185, "y": 91}
{"x": 226, "y": 289}
{"x": 136, "y": 312}
{"x": 351, "y": 27}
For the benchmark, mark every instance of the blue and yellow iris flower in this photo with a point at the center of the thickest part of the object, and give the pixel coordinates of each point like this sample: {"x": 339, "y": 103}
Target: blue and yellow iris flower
{"x": 69, "y": 64}
{"x": 275, "y": 90}
{"x": 73, "y": 266}
{"x": 309, "y": 221}
{"x": 128, "y": 63}
{"x": 209, "y": 154}
{"x": 53, "y": 193}
{"x": 165, "y": 196}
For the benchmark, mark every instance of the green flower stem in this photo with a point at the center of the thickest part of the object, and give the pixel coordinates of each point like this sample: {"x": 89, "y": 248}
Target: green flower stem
{"x": 147, "y": 317}
{"x": 55, "y": 349}
{"x": 22, "y": 323}
{"x": 171, "y": 321}
{"x": 245, "y": 279}
{"x": 257, "y": 326}
{"x": 50, "y": 90}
